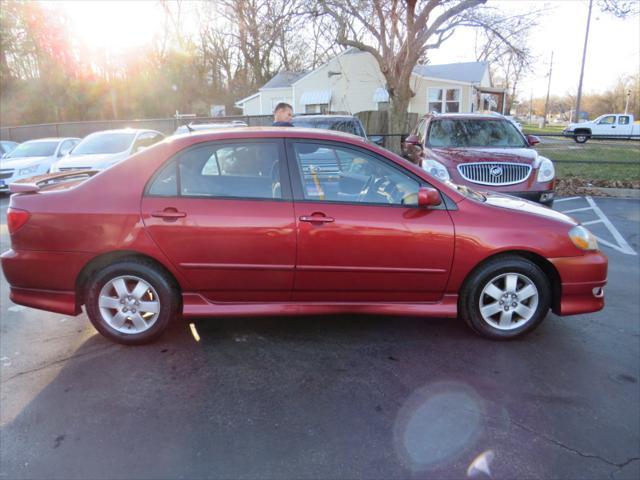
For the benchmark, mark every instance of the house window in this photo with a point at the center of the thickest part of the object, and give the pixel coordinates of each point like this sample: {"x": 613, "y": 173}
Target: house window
{"x": 444, "y": 100}
{"x": 316, "y": 108}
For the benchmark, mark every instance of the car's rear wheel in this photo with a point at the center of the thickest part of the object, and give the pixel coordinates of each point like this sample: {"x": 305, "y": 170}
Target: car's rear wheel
{"x": 131, "y": 302}
{"x": 505, "y": 298}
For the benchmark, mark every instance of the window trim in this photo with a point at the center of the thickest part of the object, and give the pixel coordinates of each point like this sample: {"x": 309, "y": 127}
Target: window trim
{"x": 285, "y": 180}
{"x": 298, "y": 189}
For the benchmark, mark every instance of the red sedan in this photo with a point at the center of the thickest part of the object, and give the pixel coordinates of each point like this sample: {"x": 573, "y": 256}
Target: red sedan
{"x": 278, "y": 221}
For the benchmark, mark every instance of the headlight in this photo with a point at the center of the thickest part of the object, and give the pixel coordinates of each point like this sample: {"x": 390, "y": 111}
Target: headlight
{"x": 583, "y": 238}
{"x": 28, "y": 171}
{"x": 436, "y": 169}
{"x": 546, "y": 171}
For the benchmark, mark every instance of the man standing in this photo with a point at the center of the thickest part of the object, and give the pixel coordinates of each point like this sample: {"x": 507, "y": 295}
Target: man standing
{"x": 282, "y": 115}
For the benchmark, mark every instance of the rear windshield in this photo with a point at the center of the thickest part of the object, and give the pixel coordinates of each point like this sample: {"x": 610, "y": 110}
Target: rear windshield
{"x": 452, "y": 133}
{"x": 33, "y": 149}
{"x": 347, "y": 125}
{"x": 104, "y": 143}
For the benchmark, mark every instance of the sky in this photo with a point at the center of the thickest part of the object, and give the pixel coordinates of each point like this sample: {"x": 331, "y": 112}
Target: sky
{"x": 613, "y": 48}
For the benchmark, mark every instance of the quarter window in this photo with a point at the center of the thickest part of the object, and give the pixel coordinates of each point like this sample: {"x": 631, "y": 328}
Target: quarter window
{"x": 623, "y": 120}
{"x": 337, "y": 174}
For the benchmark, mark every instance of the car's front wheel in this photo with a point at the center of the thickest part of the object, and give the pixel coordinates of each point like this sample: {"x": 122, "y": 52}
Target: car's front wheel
{"x": 505, "y": 298}
{"x": 131, "y": 302}
{"x": 581, "y": 137}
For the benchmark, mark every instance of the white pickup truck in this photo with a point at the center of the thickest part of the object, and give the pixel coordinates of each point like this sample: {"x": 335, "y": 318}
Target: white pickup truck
{"x": 605, "y": 126}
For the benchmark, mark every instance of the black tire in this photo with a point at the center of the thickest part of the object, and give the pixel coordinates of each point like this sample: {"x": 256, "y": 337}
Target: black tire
{"x": 162, "y": 294}
{"x": 481, "y": 277}
{"x": 581, "y": 137}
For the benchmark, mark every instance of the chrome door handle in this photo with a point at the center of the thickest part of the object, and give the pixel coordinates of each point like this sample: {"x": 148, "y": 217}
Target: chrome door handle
{"x": 316, "y": 219}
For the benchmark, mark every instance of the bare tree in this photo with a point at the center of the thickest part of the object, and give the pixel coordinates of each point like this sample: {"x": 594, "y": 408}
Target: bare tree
{"x": 506, "y": 49}
{"x": 620, "y": 8}
{"x": 398, "y": 33}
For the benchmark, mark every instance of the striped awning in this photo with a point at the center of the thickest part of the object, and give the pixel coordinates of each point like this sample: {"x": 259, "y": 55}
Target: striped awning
{"x": 380, "y": 95}
{"x": 316, "y": 97}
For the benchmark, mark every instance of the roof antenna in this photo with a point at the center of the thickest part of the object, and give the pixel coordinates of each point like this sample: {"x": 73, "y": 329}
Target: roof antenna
{"x": 191, "y": 129}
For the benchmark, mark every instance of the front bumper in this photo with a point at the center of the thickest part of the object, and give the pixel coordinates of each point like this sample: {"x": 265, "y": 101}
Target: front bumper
{"x": 582, "y": 281}
{"x": 545, "y": 197}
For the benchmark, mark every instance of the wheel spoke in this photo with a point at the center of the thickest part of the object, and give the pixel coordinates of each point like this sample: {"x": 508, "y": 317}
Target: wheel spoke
{"x": 138, "y": 322}
{"x": 140, "y": 290}
{"x": 505, "y": 318}
{"x": 524, "y": 311}
{"x": 118, "y": 319}
{"x": 527, "y": 292}
{"x": 121, "y": 287}
{"x": 149, "y": 307}
{"x": 491, "y": 309}
{"x": 494, "y": 292}
{"x": 511, "y": 283}
{"x": 109, "y": 302}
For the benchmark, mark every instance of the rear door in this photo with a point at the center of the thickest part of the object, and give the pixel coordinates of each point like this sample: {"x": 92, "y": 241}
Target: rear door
{"x": 624, "y": 126}
{"x": 361, "y": 236}
{"x": 222, "y": 213}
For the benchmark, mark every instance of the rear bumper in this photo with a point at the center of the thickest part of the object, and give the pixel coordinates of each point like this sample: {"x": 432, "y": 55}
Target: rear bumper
{"x": 582, "y": 283}
{"x": 44, "y": 280}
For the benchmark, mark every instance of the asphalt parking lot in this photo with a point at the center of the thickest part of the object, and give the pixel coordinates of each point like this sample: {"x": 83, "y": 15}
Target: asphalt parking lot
{"x": 332, "y": 397}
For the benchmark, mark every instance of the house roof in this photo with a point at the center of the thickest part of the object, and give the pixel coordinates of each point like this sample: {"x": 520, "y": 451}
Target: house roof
{"x": 471, "y": 72}
{"x": 283, "y": 80}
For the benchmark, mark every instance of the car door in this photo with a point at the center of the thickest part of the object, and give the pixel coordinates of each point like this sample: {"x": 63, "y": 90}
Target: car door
{"x": 624, "y": 126}
{"x": 223, "y": 215}
{"x": 605, "y": 126}
{"x": 361, "y": 236}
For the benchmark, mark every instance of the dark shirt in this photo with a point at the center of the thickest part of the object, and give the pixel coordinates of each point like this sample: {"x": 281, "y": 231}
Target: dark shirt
{"x": 282, "y": 124}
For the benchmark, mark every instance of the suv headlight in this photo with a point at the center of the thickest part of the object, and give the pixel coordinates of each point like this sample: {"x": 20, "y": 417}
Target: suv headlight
{"x": 436, "y": 169}
{"x": 28, "y": 170}
{"x": 546, "y": 171}
{"x": 583, "y": 238}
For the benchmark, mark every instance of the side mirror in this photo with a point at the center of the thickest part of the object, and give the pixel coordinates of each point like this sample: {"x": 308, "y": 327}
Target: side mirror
{"x": 428, "y": 197}
{"x": 378, "y": 140}
{"x": 532, "y": 140}
{"x": 413, "y": 140}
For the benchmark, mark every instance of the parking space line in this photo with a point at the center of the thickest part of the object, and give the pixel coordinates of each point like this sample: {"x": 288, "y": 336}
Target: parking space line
{"x": 622, "y": 246}
{"x": 558, "y": 200}
{"x": 592, "y": 222}
{"x": 577, "y": 210}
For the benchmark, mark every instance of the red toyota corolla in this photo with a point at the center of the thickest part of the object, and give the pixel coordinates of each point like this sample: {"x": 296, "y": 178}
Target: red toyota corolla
{"x": 277, "y": 221}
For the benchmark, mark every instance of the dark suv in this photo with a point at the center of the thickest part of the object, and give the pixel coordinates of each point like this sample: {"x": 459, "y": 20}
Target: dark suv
{"x": 482, "y": 151}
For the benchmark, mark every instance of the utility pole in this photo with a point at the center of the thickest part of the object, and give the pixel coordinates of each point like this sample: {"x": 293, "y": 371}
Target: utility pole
{"x": 530, "y": 106}
{"x": 584, "y": 56}
{"x": 626, "y": 105}
{"x": 546, "y": 103}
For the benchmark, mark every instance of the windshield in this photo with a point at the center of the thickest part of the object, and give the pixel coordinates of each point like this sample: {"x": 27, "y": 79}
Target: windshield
{"x": 339, "y": 124}
{"x": 104, "y": 143}
{"x": 33, "y": 149}
{"x": 473, "y": 132}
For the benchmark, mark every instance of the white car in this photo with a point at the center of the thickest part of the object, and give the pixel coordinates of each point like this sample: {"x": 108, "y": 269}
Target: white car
{"x": 100, "y": 150}
{"x": 605, "y": 126}
{"x": 35, "y": 157}
{"x": 207, "y": 126}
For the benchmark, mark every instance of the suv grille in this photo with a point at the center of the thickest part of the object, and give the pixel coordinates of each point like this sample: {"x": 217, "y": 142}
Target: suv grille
{"x": 494, "y": 173}
{"x": 68, "y": 169}
{"x": 5, "y": 174}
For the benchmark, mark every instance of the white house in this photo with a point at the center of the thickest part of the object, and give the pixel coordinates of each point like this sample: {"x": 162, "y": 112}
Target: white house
{"x": 352, "y": 82}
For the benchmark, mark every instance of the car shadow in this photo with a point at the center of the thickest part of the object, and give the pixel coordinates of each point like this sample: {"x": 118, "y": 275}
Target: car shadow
{"x": 298, "y": 397}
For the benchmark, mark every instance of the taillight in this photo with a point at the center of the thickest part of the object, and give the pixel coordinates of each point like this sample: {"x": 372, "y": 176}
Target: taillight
{"x": 16, "y": 219}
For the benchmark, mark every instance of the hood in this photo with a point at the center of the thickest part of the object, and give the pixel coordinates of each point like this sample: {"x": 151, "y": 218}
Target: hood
{"x": 22, "y": 162}
{"x": 515, "y": 203}
{"x": 95, "y": 161}
{"x": 455, "y": 156}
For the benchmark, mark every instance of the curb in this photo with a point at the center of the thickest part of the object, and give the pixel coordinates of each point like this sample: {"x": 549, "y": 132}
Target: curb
{"x": 614, "y": 192}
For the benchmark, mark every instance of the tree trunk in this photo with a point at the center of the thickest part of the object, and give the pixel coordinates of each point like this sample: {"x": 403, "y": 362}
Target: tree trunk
{"x": 397, "y": 122}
